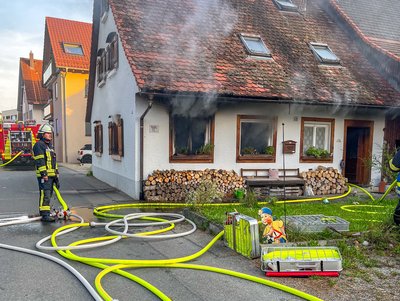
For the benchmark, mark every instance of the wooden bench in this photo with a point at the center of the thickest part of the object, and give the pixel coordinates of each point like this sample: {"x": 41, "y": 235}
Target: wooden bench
{"x": 263, "y": 185}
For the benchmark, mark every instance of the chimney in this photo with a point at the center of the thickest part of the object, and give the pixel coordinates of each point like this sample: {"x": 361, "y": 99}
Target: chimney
{"x": 31, "y": 61}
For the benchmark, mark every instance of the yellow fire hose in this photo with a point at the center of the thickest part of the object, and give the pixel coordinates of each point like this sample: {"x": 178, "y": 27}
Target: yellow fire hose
{"x": 119, "y": 264}
{"x": 12, "y": 159}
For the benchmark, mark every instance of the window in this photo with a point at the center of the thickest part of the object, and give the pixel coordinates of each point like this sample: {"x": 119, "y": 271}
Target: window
{"x": 324, "y": 54}
{"x": 256, "y": 139}
{"x": 286, "y": 5}
{"x": 104, "y": 8}
{"x": 73, "y": 49}
{"x": 86, "y": 88}
{"x": 316, "y": 142}
{"x": 88, "y": 129}
{"x": 55, "y": 90}
{"x": 101, "y": 67}
{"x": 98, "y": 138}
{"x": 255, "y": 45}
{"x": 192, "y": 139}
{"x": 112, "y": 51}
{"x": 116, "y": 138}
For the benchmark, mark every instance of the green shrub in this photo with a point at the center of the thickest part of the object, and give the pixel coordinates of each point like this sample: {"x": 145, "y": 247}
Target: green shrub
{"x": 249, "y": 151}
{"x": 206, "y": 193}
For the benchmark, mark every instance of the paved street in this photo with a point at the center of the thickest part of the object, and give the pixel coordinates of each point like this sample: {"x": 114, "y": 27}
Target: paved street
{"x": 27, "y": 277}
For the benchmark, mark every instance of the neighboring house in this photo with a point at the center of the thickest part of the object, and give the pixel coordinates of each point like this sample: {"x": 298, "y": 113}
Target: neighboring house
{"x": 188, "y": 84}
{"x": 376, "y": 25}
{"x": 66, "y": 59}
{"x": 32, "y": 96}
{"x": 9, "y": 116}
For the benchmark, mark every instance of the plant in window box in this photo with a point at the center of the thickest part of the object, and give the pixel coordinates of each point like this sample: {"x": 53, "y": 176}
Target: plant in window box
{"x": 182, "y": 151}
{"x": 206, "y": 149}
{"x": 249, "y": 151}
{"x": 269, "y": 150}
{"x": 318, "y": 153}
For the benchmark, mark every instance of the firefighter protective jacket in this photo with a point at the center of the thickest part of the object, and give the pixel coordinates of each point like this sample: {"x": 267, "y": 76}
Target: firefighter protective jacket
{"x": 45, "y": 159}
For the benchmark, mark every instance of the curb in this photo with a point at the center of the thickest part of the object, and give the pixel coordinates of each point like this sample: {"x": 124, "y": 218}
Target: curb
{"x": 202, "y": 223}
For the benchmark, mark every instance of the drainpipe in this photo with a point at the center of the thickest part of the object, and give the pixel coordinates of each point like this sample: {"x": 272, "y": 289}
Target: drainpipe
{"x": 64, "y": 114}
{"x": 149, "y": 105}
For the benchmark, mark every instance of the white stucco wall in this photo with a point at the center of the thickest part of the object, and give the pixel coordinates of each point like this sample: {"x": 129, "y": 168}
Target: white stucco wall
{"x": 117, "y": 96}
{"x": 156, "y": 147}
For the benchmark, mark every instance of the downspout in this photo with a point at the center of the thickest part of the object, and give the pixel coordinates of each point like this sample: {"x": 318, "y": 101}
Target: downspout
{"x": 64, "y": 117}
{"x": 149, "y": 105}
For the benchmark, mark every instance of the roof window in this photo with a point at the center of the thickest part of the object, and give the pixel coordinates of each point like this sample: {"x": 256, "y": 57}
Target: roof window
{"x": 255, "y": 45}
{"x": 73, "y": 49}
{"x": 324, "y": 54}
{"x": 286, "y": 5}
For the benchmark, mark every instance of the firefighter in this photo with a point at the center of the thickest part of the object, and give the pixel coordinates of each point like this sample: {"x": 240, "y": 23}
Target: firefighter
{"x": 46, "y": 170}
{"x": 395, "y": 166}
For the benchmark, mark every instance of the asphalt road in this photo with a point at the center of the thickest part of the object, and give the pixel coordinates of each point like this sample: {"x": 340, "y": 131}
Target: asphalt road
{"x": 27, "y": 277}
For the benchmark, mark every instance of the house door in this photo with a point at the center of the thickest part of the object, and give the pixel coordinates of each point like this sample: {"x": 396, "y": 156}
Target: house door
{"x": 357, "y": 152}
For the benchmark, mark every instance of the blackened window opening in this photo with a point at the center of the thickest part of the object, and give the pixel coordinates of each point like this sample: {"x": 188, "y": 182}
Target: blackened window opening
{"x": 190, "y": 134}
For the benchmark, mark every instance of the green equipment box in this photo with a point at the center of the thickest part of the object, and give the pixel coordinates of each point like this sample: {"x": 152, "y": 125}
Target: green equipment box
{"x": 241, "y": 234}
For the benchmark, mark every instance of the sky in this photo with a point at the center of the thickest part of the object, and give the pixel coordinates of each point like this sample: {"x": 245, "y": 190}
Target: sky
{"x": 22, "y": 30}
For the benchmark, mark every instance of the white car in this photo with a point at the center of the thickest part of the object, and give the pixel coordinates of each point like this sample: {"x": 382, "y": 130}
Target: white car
{"x": 85, "y": 154}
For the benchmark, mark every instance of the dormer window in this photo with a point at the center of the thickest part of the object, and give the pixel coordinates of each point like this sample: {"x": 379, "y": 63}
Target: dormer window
{"x": 324, "y": 54}
{"x": 286, "y": 5}
{"x": 73, "y": 48}
{"x": 255, "y": 45}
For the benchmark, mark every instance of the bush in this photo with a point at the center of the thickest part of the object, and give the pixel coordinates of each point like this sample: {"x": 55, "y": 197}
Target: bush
{"x": 269, "y": 150}
{"x": 206, "y": 193}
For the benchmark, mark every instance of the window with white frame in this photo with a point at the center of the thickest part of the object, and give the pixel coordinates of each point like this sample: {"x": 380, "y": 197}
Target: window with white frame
{"x": 255, "y": 45}
{"x": 256, "y": 138}
{"x": 317, "y": 138}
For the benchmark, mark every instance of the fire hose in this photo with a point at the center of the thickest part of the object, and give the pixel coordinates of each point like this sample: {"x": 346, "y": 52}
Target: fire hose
{"x": 117, "y": 265}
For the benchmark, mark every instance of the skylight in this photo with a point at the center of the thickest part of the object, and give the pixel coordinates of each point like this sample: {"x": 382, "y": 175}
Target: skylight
{"x": 255, "y": 45}
{"x": 73, "y": 49}
{"x": 324, "y": 54}
{"x": 286, "y": 5}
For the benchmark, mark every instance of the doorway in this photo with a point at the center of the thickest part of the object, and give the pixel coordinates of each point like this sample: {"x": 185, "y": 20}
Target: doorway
{"x": 357, "y": 151}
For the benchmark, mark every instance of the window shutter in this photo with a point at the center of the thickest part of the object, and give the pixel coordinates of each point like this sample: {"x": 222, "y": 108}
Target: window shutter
{"x": 120, "y": 130}
{"x": 100, "y": 138}
{"x": 110, "y": 138}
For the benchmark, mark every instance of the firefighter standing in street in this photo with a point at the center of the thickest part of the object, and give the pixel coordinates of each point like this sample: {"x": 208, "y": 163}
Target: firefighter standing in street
{"x": 46, "y": 170}
{"x": 395, "y": 166}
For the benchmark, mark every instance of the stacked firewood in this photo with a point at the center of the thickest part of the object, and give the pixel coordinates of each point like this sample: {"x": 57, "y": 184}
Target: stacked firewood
{"x": 174, "y": 185}
{"x": 324, "y": 180}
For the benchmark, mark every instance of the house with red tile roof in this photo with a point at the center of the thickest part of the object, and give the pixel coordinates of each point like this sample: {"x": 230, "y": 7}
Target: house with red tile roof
{"x": 32, "y": 96}
{"x": 188, "y": 84}
{"x": 376, "y": 27}
{"x": 66, "y": 58}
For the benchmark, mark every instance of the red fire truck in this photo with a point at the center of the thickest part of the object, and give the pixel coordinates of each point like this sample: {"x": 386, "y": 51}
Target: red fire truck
{"x": 17, "y": 137}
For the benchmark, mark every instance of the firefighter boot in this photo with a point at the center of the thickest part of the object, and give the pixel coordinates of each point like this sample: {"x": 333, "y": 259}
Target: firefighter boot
{"x": 46, "y": 217}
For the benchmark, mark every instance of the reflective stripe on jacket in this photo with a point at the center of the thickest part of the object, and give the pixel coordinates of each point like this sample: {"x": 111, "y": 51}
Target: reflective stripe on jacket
{"x": 45, "y": 159}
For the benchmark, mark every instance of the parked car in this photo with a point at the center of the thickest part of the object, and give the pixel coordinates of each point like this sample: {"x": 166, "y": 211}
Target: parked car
{"x": 85, "y": 154}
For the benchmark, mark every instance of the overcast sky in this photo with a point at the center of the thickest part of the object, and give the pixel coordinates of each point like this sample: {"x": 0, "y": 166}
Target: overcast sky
{"x": 22, "y": 30}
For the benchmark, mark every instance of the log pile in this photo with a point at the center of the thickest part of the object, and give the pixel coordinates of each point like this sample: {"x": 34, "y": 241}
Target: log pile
{"x": 324, "y": 180}
{"x": 174, "y": 185}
